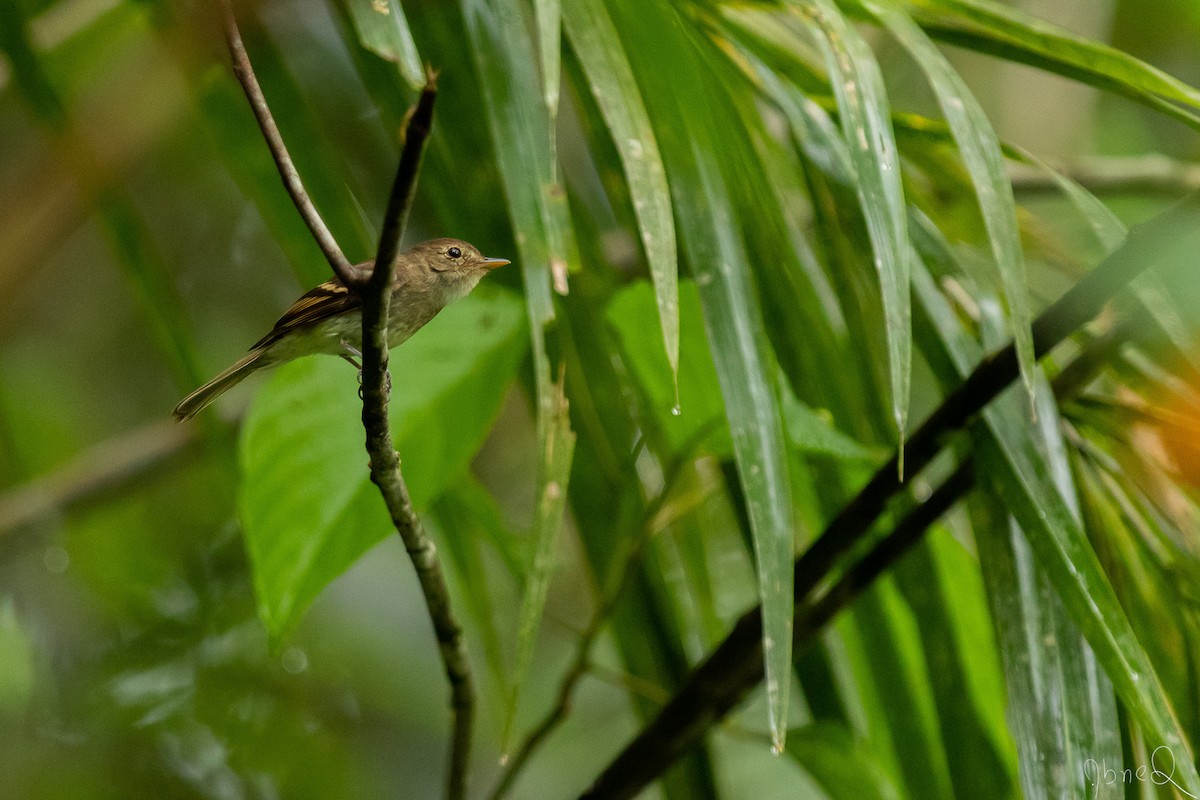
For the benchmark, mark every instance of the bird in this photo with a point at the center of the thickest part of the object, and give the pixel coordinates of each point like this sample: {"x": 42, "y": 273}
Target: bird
{"x": 429, "y": 276}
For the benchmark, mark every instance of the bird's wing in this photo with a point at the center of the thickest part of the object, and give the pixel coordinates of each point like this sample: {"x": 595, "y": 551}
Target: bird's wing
{"x": 327, "y": 300}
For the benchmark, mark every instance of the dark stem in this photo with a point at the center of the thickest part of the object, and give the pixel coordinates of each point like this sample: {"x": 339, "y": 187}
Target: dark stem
{"x": 385, "y": 461}
{"x": 287, "y": 170}
{"x": 375, "y": 289}
{"x": 730, "y": 671}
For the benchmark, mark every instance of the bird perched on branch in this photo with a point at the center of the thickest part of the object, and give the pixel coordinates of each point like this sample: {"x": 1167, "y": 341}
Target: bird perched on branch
{"x": 328, "y": 319}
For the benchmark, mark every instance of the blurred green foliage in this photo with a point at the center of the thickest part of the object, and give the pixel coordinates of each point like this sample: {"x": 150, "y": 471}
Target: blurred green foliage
{"x": 738, "y": 190}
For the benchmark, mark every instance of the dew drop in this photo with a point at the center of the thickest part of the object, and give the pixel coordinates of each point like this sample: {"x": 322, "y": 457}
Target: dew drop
{"x": 676, "y": 410}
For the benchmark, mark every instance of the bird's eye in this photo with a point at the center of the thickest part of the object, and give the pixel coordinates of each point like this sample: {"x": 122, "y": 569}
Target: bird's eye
{"x": 454, "y": 252}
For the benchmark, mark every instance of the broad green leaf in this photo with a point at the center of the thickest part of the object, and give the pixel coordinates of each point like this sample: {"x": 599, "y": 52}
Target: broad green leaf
{"x": 981, "y": 154}
{"x": 466, "y": 516}
{"x": 811, "y": 431}
{"x": 611, "y": 80}
{"x": 839, "y": 763}
{"x": 307, "y": 505}
{"x": 1022, "y": 476}
{"x": 551, "y": 502}
{"x": 383, "y": 29}
{"x": 732, "y": 317}
{"x": 1007, "y": 32}
{"x": 865, "y": 119}
{"x": 701, "y": 417}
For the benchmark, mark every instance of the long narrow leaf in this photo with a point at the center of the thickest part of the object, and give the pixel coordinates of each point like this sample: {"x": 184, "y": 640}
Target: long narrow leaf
{"x": 1022, "y": 476}
{"x": 1005, "y": 31}
{"x": 556, "y": 464}
{"x": 548, "y": 14}
{"x": 981, "y": 154}
{"x": 732, "y": 318}
{"x": 865, "y": 118}
{"x": 612, "y": 83}
{"x": 383, "y": 29}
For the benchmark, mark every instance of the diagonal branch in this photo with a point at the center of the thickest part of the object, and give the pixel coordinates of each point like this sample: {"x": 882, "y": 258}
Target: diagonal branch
{"x": 376, "y": 295}
{"x": 735, "y": 667}
{"x": 287, "y": 170}
{"x": 385, "y": 461}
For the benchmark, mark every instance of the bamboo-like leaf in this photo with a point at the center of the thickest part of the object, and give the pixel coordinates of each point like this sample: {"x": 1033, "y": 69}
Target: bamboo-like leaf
{"x": 882, "y": 641}
{"x": 981, "y": 154}
{"x": 812, "y": 432}
{"x": 732, "y": 318}
{"x": 1007, "y": 32}
{"x": 610, "y": 77}
{"x": 866, "y": 126}
{"x": 556, "y": 463}
{"x": 524, "y": 145}
{"x": 1022, "y": 476}
{"x": 383, "y": 29}
{"x": 548, "y": 14}
{"x": 307, "y": 505}
{"x": 842, "y": 765}
{"x": 1057, "y": 696}
{"x": 631, "y": 314}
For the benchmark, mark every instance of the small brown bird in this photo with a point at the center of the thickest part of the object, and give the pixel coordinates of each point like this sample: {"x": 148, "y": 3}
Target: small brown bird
{"x": 328, "y": 319}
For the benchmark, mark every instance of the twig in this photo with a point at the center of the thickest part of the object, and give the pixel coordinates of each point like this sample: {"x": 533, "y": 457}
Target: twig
{"x": 385, "y": 461}
{"x": 735, "y": 666}
{"x": 109, "y": 465}
{"x": 375, "y": 289}
{"x": 287, "y": 170}
{"x": 1153, "y": 174}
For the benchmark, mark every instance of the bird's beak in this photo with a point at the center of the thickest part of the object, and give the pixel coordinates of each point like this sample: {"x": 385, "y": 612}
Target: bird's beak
{"x": 493, "y": 263}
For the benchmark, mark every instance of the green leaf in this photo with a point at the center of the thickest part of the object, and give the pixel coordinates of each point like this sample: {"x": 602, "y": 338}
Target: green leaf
{"x": 900, "y": 718}
{"x": 866, "y": 126}
{"x": 383, "y": 29}
{"x": 723, "y": 273}
{"x": 840, "y": 764}
{"x": 307, "y": 506}
{"x": 521, "y": 133}
{"x": 552, "y": 499}
{"x": 611, "y": 80}
{"x": 982, "y": 156}
{"x": 1007, "y": 32}
{"x": 811, "y": 431}
{"x": 1021, "y": 474}
{"x": 1149, "y": 290}
{"x": 1058, "y": 698}
{"x": 701, "y": 417}
{"x": 467, "y": 516}
{"x": 548, "y": 14}
{"x": 17, "y": 664}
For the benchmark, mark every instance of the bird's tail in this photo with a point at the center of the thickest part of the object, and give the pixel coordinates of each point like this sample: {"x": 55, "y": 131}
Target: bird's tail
{"x": 198, "y": 400}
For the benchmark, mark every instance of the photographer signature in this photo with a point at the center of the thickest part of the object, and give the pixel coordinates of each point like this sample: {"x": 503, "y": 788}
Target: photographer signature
{"x": 1096, "y": 774}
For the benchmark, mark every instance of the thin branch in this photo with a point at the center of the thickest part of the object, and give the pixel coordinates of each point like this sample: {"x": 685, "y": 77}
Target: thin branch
{"x": 287, "y": 170}
{"x": 109, "y": 465}
{"x": 730, "y": 671}
{"x": 1153, "y": 174}
{"x": 385, "y": 461}
{"x": 376, "y": 293}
